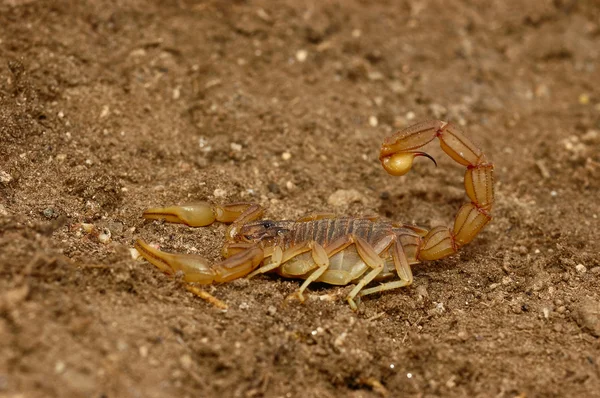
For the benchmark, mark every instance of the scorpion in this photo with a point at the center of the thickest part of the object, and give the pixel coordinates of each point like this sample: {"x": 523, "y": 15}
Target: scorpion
{"x": 337, "y": 251}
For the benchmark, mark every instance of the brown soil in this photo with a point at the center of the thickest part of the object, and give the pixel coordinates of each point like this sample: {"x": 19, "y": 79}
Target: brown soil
{"x": 107, "y": 108}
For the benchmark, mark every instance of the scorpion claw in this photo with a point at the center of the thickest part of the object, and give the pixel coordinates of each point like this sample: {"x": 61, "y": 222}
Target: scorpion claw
{"x": 194, "y": 268}
{"x": 202, "y": 214}
{"x": 197, "y": 269}
{"x": 194, "y": 215}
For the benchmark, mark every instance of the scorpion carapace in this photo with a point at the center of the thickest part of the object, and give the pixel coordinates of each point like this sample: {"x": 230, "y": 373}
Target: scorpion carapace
{"x": 338, "y": 251}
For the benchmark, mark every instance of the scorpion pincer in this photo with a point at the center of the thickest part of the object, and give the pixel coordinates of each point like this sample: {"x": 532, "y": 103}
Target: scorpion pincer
{"x": 338, "y": 251}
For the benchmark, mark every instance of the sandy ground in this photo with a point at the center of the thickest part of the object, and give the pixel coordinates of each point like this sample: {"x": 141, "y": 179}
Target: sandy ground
{"x": 109, "y": 107}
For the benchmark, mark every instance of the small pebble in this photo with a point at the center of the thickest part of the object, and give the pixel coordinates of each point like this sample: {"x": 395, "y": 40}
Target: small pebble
{"x": 235, "y": 147}
{"x": 59, "y": 367}
{"x": 49, "y": 213}
{"x": 542, "y": 91}
{"x": 134, "y": 253}
{"x": 558, "y": 302}
{"x": 581, "y": 268}
{"x": 201, "y": 162}
{"x": 186, "y": 361}
{"x": 339, "y": 340}
{"x": 219, "y": 193}
{"x": 587, "y": 314}
{"x": 104, "y": 237}
{"x": 373, "y": 122}
{"x": 212, "y": 83}
{"x": 439, "y": 111}
{"x": 422, "y": 292}
{"x": 286, "y": 156}
{"x": 5, "y": 178}
{"x": 301, "y": 55}
{"x": 375, "y": 76}
{"x": 122, "y": 345}
{"x": 590, "y": 137}
{"x": 344, "y": 197}
{"x": 105, "y": 111}
{"x": 274, "y": 188}
{"x": 546, "y": 312}
{"x": 397, "y": 87}
{"x": 538, "y": 285}
{"x": 202, "y": 142}
{"x": 451, "y": 383}
{"x": 584, "y": 99}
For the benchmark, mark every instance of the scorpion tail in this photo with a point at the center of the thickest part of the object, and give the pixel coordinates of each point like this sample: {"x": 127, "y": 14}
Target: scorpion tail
{"x": 397, "y": 155}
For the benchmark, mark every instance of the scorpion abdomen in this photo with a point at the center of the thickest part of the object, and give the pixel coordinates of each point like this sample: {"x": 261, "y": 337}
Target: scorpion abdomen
{"x": 325, "y": 231}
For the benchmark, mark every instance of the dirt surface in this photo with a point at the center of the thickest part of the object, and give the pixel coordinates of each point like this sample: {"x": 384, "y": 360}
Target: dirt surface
{"x": 109, "y": 107}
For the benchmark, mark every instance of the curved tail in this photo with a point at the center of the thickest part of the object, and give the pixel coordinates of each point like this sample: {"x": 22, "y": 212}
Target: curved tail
{"x": 397, "y": 155}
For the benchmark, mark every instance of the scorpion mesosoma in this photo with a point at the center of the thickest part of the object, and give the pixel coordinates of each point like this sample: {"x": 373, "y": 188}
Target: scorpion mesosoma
{"x": 337, "y": 251}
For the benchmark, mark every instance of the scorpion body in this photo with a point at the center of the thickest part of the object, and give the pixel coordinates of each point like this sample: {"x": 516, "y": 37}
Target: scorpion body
{"x": 345, "y": 266}
{"x": 338, "y": 251}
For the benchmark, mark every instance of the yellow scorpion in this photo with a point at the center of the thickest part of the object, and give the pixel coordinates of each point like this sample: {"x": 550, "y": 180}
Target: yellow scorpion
{"x": 337, "y": 251}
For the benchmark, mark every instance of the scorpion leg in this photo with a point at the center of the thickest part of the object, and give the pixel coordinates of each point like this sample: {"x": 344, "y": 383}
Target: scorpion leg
{"x": 369, "y": 254}
{"x": 371, "y": 258}
{"x": 197, "y": 269}
{"x": 402, "y": 269}
{"x": 276, "y": 258}
{"x": 321, "y": 259}
{"x": 319, "y": 256}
